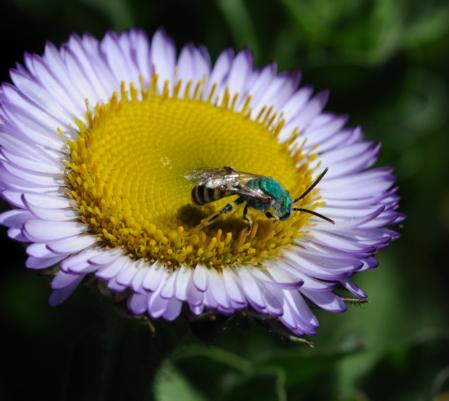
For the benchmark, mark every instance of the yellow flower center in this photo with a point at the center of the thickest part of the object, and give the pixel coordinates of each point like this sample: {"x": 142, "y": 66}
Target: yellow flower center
{"x": 127, "y": 166}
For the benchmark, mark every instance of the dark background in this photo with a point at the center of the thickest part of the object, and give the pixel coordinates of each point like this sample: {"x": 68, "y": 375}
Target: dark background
{"x": 386, "y": 64}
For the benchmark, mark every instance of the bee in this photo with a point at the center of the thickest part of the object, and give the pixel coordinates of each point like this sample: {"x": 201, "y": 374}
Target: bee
{"x": 255, "y": 191}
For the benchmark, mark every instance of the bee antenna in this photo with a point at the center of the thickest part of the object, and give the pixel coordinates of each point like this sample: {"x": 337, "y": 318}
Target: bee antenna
{"x": 313, "y": 185}
{"x": 299, "y": 209}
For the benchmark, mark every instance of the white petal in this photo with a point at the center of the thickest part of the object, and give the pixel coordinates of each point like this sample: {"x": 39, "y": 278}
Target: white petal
{"x": 220, "y": 69}
{"x": 273, "y": 299}
{"x": 47, "y": 201}
{"x": 52, "y": 214}
{"x": 155, "y": 275}
{"x": 295, "y": 104}
{"x": 157, "y": 305}
{"x": 283, "y": 277}
{"x": 200, "y": 277}
{"x": 115, "y": 58}
{"x": 15, "y": 218}
{"x": 42, "y": 263}
{"x": 310, "y": 111}
{"x": 163, "y": 55}
{"x": 182, "y": 281}
{"x": 142, "y": 53}
{"x": 127, "y": 273}
{"x": 40, "y": 250}
{"x": 172, "y": 310}
{"x": 168, "y": 290}
{"x": 239, "y": 72}
{"x": 250, "y": 287}
{"x": 20, "y": 154}
{"x": 216, "y": 286}
{"x": 233, "y": 290}
{"x": 44, "y": 107}
{"x": 59, "y": 296}
{"x": 72, "y": 244}
{"x": 136, "y": 283}
{"x": 80, "y": 59}
{"x": 111, "y": 270}
{"x": 105, "y": 257}
{"x": 41, "y": 230}
{"x": 14, "y": 198}
{"x": 194, "y": 296}
{"x": 325, "y": 300}
{"x": 137, "y": 303}
{"x": 63, "y": 280}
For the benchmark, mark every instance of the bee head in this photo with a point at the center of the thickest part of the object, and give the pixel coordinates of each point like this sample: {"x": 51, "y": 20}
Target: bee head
{"x": 281, "y": 202}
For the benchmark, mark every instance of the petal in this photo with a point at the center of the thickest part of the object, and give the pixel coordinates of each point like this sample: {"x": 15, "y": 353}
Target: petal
{"x": 42, "y": 230}
{"x": 136, "y": 283}
{"x": 182, "y": 282}
{"x": 200, "y": 277}
{"x": 59, "y": 296}
{"x": 239, "y": 72}
{"x": 172, "y": 310}
{"x": 15, "y": 218}
{"x": 216, "y": 286}
{"x": 163, "y": 55}
{"x": 250, "y": 288}
{"x": 168, "y": 289}
{"x": 63, "y": 280}
{"x": 127, "y": 274}
{"x": 157, "y": 305}
{"x": 137, "y": 303}
{"x": 42, "y": 263}
{"x": 232, "y": 289}
{"x": 72, "y": 244}
{"x": 155, "y": 275}
{"x": 112, "y": 269}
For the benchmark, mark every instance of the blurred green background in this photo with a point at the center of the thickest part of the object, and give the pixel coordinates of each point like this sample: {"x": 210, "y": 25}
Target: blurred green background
{"x": 386, "y": 63}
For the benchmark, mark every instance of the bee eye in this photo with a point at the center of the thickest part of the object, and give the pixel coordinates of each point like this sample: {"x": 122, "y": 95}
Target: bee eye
{"x": 285, "y": 216}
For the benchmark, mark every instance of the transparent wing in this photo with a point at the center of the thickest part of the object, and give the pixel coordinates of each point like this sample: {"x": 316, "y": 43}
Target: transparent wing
{"x": 216, "y": 177}
{"x": 211, "y": 177}
{"x": 228, "y": 180}
{"x": 254, "y": 193}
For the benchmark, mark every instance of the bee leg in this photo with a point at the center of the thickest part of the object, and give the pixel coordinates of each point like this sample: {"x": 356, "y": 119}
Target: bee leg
{"x": 271, "y": 217}
{"x": 248, "y": 220}
{"x": 228, "y": 208}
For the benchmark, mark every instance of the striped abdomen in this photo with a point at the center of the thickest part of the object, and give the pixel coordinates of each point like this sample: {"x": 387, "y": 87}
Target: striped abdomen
{"x": 202, "y": 194}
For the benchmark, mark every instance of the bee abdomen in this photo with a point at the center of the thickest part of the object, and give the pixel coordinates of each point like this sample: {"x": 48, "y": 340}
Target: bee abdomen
{"x": 202, "y": 194}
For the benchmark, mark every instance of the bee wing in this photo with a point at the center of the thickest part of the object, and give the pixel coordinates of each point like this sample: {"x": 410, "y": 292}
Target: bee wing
{"x": 253, "y": 193}
{"x": 204, "y": 176}
{"x": 227, "y": 179}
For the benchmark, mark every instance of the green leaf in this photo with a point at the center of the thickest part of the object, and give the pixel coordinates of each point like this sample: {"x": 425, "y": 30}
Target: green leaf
{"x": 347, "y": 31}
{"x": 231, "y": 376}
{"x": 264, "y": 386}
{"x": 428, "y": 26}
{"x": 307, "y": 20}
{"x": 301, "y": 365}
{"x": 424, "y": 359}
{"x": 171, "y": 385}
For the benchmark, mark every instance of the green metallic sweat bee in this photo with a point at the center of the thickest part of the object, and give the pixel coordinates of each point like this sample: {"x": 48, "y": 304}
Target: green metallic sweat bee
{"x": 256, "y": 191}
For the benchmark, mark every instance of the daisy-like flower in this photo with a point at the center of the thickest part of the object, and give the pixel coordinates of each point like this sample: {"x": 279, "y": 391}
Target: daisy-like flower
{"x": 98, "y": 136}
